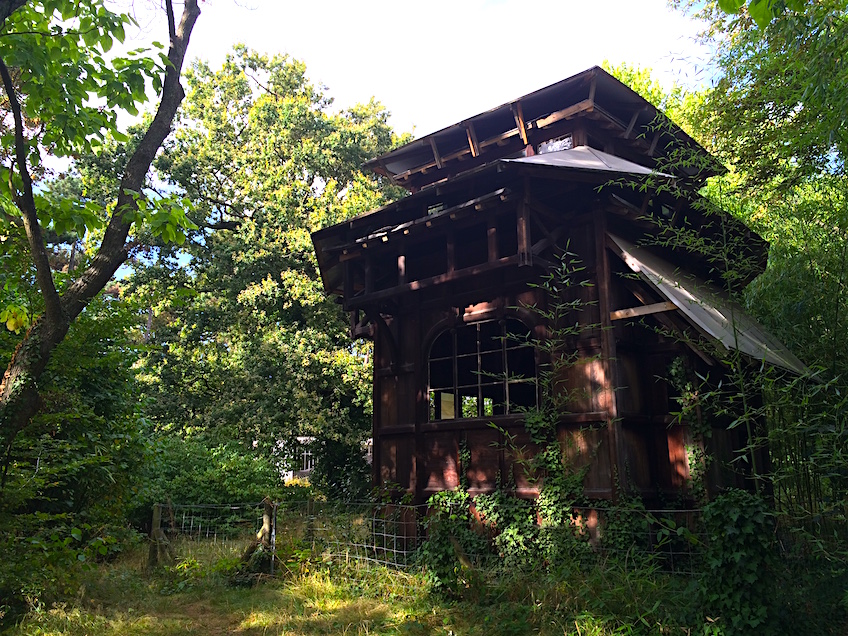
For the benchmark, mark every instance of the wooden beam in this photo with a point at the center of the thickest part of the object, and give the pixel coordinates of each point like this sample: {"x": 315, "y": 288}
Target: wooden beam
{"x": 565, "y": 113}
{"x": 436, "y": 154}
{"x": 518, "y": 113}
{"x": 592, "y": 86}
{"x": 473, "y": 144}
{"x": 644, "y": 310}
{"x": 416, "y": 285}
{"x": 654, "y": 144}
{"x": 630, "y": 126}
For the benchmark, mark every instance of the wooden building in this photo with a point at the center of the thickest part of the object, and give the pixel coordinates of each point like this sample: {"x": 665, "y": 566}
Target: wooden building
{"x": 446, "y": 280}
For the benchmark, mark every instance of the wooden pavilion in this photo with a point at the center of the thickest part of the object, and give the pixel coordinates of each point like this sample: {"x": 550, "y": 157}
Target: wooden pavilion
{"x": 446, "y": 280}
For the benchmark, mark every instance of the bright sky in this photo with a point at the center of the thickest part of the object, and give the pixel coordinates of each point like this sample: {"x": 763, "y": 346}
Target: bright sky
{"x": 435, "y": 62}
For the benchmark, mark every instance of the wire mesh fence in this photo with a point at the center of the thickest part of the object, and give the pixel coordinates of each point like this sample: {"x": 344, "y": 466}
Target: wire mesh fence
{"x": 367, "y": 535}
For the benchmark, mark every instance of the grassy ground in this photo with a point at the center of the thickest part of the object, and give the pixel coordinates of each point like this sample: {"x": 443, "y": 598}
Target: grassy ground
{"x": 191, "y": 598}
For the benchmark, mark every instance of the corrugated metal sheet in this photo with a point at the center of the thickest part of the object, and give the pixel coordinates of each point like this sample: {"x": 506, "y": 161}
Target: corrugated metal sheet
{"x": 709, "y": 309}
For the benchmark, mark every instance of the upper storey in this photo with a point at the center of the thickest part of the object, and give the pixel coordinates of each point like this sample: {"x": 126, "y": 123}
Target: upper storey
{"x": 591, "y": 108}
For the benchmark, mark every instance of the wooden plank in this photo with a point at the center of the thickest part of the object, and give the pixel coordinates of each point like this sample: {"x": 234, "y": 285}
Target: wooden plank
{"x": 473, "y": 144}
{"x": 644, "y": 310}
{"x": 492, "y": 238}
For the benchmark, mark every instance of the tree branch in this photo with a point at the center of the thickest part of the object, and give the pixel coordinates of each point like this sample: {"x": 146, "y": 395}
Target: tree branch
{"x": 26, "y": 204}
{"x": 113, "y": 250}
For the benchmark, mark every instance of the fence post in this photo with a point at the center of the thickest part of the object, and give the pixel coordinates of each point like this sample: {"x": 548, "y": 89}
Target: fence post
{"x": 265, "y": 537}
{"x": 158, "y": 540}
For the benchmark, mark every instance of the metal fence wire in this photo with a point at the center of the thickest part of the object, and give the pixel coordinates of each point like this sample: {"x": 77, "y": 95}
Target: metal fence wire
{"x": 389, "y": 535}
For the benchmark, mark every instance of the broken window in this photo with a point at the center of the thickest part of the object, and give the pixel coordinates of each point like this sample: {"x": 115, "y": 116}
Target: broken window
{"x": 482, "y": 370}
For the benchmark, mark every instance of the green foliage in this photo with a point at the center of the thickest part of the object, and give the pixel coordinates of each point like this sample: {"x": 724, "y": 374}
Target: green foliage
{"x": 739, "y": 561}
{"x": 453, "y": 542}
{"x": 244, "y": 345}
{"x": 67, "y": 481}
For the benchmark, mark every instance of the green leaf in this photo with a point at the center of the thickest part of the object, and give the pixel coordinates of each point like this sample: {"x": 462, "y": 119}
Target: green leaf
{"x": 730, "y": 6}
{"x": 761, "y": 11}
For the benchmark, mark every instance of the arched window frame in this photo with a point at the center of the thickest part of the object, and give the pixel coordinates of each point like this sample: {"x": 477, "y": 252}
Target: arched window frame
{"x": 482, "y": 369}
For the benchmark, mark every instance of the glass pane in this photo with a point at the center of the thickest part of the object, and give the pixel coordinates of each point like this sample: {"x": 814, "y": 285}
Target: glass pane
{"x": 488, "y": 407}
{"x": 433, "y": 415}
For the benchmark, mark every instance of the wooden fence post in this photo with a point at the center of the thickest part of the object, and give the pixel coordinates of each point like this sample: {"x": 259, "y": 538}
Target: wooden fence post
{"x": 158, "y": 541}
{"x": 266, "y": 535}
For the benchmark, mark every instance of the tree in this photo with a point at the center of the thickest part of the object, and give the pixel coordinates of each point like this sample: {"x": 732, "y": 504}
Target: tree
{"x": 52, "y": 63}
{"x": 762, "y": 11}
{"x": 244, "y": 346}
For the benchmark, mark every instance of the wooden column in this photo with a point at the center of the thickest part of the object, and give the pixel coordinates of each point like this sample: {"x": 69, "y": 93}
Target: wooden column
{"x": 608, "y": 351}
{"x": 492, "y": 237}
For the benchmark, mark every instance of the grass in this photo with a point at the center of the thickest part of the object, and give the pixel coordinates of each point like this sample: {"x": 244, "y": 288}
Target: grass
{"x": 197, "y": 597}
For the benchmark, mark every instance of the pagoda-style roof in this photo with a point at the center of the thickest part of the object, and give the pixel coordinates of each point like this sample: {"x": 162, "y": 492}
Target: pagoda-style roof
{"x": 610, "y": 115}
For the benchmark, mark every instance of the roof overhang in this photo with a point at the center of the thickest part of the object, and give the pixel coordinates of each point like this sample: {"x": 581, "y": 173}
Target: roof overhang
{"x": 532, "y": 118}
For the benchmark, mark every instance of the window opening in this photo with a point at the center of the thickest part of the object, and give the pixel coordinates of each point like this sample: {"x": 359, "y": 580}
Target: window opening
{"x": 482, "y": 370}
{"x": 555, "y": 145}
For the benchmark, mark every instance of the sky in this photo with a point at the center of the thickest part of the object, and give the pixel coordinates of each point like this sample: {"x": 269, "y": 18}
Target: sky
{"x": 433, "y": 63}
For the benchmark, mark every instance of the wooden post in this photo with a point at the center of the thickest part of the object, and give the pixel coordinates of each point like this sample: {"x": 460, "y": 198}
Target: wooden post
{"x": 264, "y": 536}
{"x": 158, "y": 541}
{"x": 609, "y": 364}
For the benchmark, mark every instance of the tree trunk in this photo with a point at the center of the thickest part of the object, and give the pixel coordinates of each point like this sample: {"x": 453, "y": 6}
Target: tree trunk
{"x": 19, "y": 398}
